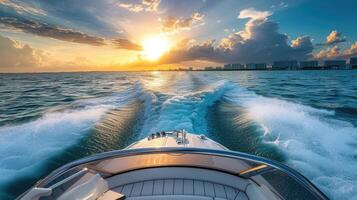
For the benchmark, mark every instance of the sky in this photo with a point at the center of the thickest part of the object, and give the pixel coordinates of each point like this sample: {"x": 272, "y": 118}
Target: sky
{"x": 131, "y": 35}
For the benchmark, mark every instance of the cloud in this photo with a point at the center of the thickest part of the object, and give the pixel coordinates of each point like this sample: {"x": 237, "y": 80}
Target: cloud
{"x": 302, "y": 43}
{"x": 279, "y": 6}
{"x": 174, "y": 24}
{"x": 127, "y": 44}
{"x": 336, "y": 53}
{"x": 63, "y": 34}
{"x": 151, "y": 5}
{"x": 74, "y": 14}
{"x": 259, "y": 41}
{"x": 22, "y": 8}
{"x": 145, "y": 5}
{"x": 15, "y": 54}
{"x": 253, "y": 14}
{"x": 333, "y": 52}
{"x": 352, "y": 51}
{"x": 51, "y": 31}
{"x": 195, "y": 51}
{"x": 132, "y": 7}
{"x": 333, "y": 38}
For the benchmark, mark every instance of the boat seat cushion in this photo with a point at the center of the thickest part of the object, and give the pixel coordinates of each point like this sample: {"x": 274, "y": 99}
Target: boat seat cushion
{"x": 170, "y": 197}
{"x": 178, "y": 173}
{"x": 206, "y": 185}
{"x": 181, "y": 197}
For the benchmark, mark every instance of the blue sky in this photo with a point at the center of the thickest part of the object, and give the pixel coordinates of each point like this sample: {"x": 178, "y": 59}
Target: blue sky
{"x": 318, "y": 17}
{"x": 65, "y": 35}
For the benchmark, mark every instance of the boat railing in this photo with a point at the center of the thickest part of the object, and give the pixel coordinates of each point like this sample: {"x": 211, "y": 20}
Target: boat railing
{"x": 260, "y": 166}
{"x": 69, "y": 178}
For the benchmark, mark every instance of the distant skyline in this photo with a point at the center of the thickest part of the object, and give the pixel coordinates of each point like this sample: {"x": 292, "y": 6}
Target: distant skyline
{"x": 65, "y": 35}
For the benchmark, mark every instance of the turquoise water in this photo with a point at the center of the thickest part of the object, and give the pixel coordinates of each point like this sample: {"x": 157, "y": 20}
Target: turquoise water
{"x": 306, "y": 119}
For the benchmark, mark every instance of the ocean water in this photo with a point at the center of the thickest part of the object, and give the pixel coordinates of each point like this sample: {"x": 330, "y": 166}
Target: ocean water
{"x": 305, "y": 119}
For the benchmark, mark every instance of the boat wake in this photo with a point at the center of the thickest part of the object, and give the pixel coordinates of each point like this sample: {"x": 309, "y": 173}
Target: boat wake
{"x": 308, "y": 139}
{"x": 184, "y": 111}
{"x": 311, "y": 140}
{"x": 27, "y": 150}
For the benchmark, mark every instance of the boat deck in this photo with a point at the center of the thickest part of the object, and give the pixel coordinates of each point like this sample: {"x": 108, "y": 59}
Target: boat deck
{"x": 176, "y": 139}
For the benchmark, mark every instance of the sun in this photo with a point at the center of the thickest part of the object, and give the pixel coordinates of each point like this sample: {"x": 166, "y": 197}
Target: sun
{"x": 154, "y": 47}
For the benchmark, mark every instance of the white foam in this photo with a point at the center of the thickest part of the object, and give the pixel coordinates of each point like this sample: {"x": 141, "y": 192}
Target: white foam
{"x": 314, "y": 143}
{"x": 186, "y": 110}
{"x": 24, "y": 147}
{"x": 322, "y": 148}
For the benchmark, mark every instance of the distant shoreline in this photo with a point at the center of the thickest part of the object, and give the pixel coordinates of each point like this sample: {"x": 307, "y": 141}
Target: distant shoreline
{"x": 265, "y": 70}
{"x": 198, "y": 70}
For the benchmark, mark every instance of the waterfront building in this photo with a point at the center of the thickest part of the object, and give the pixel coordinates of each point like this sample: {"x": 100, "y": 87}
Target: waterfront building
{"x": 310, "y": 64}
{"x": 209, "y": 68}
{"x": 256, "y": 66}
{"x": 237, "y": 66}
{"x": 353, "y": 62}
{"x": 335, "y": 64}
{"x": 227, "y": 67}
{"x": 287, "y": 64}
{"x": 234, "y": 66}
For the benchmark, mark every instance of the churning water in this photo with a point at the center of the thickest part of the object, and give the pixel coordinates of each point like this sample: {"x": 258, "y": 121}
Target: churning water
{"x": 308, "y": 120}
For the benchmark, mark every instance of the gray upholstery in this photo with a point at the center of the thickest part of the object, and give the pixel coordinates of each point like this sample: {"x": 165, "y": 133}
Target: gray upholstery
{"x": 179, "y": 189}
{"x": 179, "y": 173}
{"x": 168, "y": 197}
{"x": 186, "y": 183}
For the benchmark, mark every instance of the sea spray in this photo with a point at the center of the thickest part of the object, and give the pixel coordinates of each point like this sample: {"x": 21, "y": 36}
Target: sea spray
{"x": 315, "y": 143}
{"x": 35, "y": 147}
{"x": 186, "y": 111}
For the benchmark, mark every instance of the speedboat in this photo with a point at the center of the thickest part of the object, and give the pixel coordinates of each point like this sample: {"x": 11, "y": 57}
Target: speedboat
{"x": 174, "y": 165}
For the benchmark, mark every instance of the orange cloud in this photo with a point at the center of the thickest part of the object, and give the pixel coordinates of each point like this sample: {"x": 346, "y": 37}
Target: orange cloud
{"x": 333, "y": 38}
{"x": 335, "y": 52}
{"x": 145, "y": 5}
{"x": 127, "y": 44}
{"x": 14, "y": 54}
{"x": 174, "y": 24}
